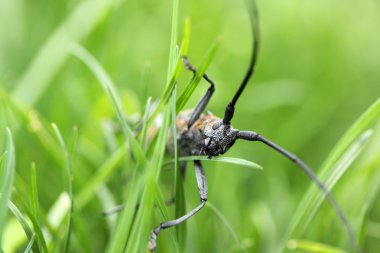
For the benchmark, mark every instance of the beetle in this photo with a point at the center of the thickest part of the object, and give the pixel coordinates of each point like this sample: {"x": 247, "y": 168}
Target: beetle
{"x": 204, "y": 134}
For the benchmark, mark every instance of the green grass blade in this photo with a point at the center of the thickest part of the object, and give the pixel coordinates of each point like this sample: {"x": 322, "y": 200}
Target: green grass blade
{"x": 24, "y": 223}
{"x": 110, "y": 89}
{"x": 224, "y": 159}
{"x": 189, "y": 89}
{"x": 69, "y": 184}
{"x": 33, "y": 178}
{"x": 30, "y": 244}
{"x": 140, "y": 233}
{"x": 160, "y": 201}
{"x": 226, "y": 224}
{"x": 127, "y": 217}
{"x": 100, "y": 177}
{"x": 340, "y": 158}
{"x": 144, "y": 129}
{"x": 35, "y": 222}
{"x": 7, "y": 171}
{"x": 365, "y": 121}
{"x": 180, "y": 202}
{"x": 309, "y": 246}
{"x": 174, "y": 76}
{"x": 35, "y": 207}
{"x": 39, "y": 74}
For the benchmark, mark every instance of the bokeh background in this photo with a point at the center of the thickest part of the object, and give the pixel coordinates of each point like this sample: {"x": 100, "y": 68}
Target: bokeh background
{"x": 318, "y": 71}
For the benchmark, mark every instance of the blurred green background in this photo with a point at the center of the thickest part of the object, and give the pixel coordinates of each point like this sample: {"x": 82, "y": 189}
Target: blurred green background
{"x": 318, "y": 71}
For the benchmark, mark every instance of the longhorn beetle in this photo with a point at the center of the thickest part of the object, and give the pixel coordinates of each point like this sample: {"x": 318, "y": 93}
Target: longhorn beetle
{"x": 206, "y": 134}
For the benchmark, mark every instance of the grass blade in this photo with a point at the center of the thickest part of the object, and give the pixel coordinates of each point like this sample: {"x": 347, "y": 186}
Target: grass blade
{"x": 226, "y": 224}
{"x": 140, "y": 232}
{"x": 232, "y": 160}
{"x": 309, "y": 246}
{"x": 39, "y": 74}
{"x": 181, "y": 102}
{"x": 105, "y": 170}
{"x": 69, "y": 184}
{"x": 7, "y": 171}
{"x": 110, "y": 89}
{"x": 344, "y": 153}
{"x": 30, "y": 244}
{"x": 144, "y": 129}
{"x": 174, "y": 76}
{"x": 24, "y": 223}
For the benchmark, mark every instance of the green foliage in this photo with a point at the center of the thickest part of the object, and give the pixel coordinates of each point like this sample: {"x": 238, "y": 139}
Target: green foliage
{"x": 108, "y": 72}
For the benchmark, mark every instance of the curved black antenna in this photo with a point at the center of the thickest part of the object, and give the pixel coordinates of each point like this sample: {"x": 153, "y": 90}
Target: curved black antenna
{"x": 230, "y": 109}
{"x": 252, "y": 136}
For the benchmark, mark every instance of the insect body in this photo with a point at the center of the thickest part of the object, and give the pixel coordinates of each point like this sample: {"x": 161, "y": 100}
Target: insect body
{"x": 205, "y": 134}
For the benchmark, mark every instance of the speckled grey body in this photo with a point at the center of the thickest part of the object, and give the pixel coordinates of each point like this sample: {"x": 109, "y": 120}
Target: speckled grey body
{"x": 207, "y": 136}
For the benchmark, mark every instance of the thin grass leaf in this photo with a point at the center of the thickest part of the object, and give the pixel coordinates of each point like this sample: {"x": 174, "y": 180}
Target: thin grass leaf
{"x": 180, "y": 203}
{"x": 7, "y": 171}
{"x": 344, "y": 153}
{"x": 39, "y": 74}
{"x": 310, "y": 246}
{"x": 69, "y": 184}
{"x": 33, "y": 178}
{"x": 100, "y": 177}
{"x": 125, "y": 220}
{"x": 160, "y": 201}
{"x": 144, "y": 129}
{"x": 365, "y": 121}
{"x": 41, "y": 242}
{"x": 110, "y": 89}
{"x": 226, "y": 224}
{"x": 232, "y": 160}
{"x": 313, "y": 197}
{"x": 142, "y": 227}
{"x": 35, "y": 203}
{"x": 24, "y": 223}
{"x": 174, "y": 76}
{"x": 30, "y": 244}
{"x": 189, "y": 89}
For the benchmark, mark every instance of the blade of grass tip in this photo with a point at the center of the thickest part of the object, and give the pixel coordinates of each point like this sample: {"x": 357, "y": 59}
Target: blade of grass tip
{"x": 231, "y": 160}
{"x": 178, "y": 67}
{"x": 181, "y": 102}
{"x": 38, "y": 75}
{"x": 310, "y": 246}
{"x": 24, "y": 223}
{"x": 30, "y": 244}
{"x": 225, "y": 222}
{"x": 7, "y": 171}
{"x": 341, "y": 151}
{"x": 173, "y": 40}
{"x": 70, "y": 185}
{"x": 110, "y": 90}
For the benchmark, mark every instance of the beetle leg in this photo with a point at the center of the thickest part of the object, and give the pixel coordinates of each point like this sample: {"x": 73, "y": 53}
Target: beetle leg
{"x": 203, "y": 192}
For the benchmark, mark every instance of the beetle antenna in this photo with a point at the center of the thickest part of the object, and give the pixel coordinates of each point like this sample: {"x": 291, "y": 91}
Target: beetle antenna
{"x": 252, "y": 136}
{"x": 230, "y": 109}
